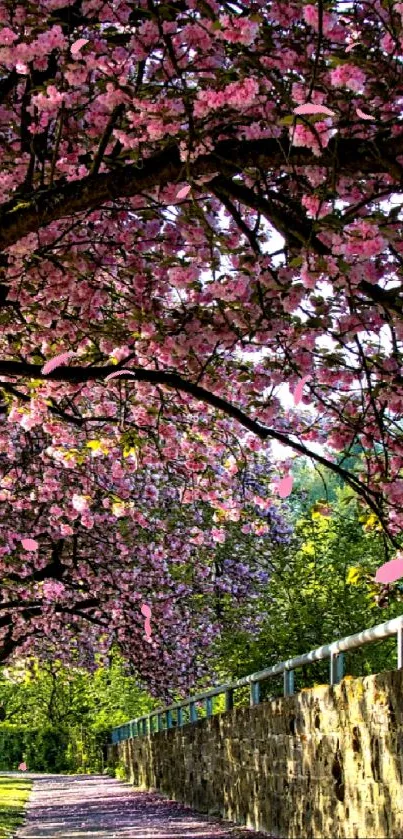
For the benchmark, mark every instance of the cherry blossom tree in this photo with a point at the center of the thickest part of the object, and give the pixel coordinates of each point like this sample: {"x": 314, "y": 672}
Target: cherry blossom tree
{"x": 112, "y": 535}
{"x": 149, "y": 152}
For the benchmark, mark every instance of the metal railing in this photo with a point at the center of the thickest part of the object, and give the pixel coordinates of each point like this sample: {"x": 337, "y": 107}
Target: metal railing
{"x": 144, "y": 725}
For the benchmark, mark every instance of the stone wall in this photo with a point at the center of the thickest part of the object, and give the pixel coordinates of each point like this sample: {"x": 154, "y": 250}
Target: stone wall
{"x": 327, "y": 762}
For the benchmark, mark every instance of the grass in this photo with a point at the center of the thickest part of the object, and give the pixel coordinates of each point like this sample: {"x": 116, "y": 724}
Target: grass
{"x": 14, "y": 793}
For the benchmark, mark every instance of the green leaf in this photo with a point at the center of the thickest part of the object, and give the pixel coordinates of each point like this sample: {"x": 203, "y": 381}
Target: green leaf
{"x": 353, "y": 576}
{"x": 289, "y": 120}
{"x": 94, "y": 445}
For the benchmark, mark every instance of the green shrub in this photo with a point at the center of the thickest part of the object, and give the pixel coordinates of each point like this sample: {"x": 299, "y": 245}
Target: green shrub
{"x": 52, "y": 748}
{"x": 12, "y": 745}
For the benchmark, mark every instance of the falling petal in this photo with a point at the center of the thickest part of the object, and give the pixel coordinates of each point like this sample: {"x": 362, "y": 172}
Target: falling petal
{"x": 351, "y": 46}
{"x": 78, "y": 45}
{"x": 310, "y": 108}
{"x": 184, "y": 191}
{"x": 285, "y": 486}
{"x": 146, "y": 611}
{"x": 56, "y": 362}
{"x": 29, "y": 544}
{"x": 118, "y": 373}
{"x": 390, "y": 571}
{"x": 299, "y": 388}
{"x": 362, "y": 115}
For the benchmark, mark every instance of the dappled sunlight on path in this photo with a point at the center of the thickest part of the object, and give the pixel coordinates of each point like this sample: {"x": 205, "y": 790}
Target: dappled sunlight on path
{"x": 98, "y": 807}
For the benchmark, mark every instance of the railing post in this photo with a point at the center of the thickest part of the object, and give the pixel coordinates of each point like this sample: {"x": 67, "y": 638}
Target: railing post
{"x": 159, "y": 722}
{"x": 254, "y": 693}
{"x": 144, "y": 722}
{"x": 229, "y": 699}
{"x": 179, "y": 717}
{"x": 193, "y": 712}
{"x": 336, "y": 668}
{"x": 168, "y": 717}
{"x": 399, "y": 637}
{"x": 288, "y": 682}
{"x": 209, "y": 706}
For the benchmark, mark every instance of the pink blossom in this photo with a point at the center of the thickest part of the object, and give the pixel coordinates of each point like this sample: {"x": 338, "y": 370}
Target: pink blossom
{"x": 52, "y": 589}
{"x": 349, "y": 76}
{"x": 218, "y": 534}
{"x": 237, "y": 30}
{"x": 387, "y": 43}
{"x": 303, "y": 135}
{"x": 66, "y": 530}
{"x": 311, "y": 17}
{"x": 79, "y": 502}
{"x": 315, "y": 206}
{"x": 7, "y": 36}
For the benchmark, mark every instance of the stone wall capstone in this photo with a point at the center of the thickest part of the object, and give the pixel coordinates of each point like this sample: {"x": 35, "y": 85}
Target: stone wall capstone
{"x": 326, "y": 763}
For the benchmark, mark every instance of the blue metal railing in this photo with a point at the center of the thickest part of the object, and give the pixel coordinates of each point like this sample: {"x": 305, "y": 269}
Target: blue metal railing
{"x": 144, "y": 725}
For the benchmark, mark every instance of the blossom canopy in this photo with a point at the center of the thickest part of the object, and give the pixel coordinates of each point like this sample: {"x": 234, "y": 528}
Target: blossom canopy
{"x": 150, "y": 151}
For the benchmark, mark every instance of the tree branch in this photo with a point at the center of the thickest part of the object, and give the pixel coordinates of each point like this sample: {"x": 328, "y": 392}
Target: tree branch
{"x": 18, "y": 218}
{"x": 176, "y": 382}
{"x": 298, "y": 233}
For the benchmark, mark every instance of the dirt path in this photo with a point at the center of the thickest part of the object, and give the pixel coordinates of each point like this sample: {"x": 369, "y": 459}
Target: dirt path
{"x": 98, "y": 807}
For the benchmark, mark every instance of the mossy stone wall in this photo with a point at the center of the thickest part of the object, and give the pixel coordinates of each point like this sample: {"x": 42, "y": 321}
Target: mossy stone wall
{"x": 326, "y": 763}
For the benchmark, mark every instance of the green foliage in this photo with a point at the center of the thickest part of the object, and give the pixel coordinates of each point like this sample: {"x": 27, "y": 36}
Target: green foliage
{"x": 322, "y": 588}
{"x": 59, "y": 719}
{"x": 43, "y": 748}
{"x": 12, "y": 745}
{"x": 120, "y": 772}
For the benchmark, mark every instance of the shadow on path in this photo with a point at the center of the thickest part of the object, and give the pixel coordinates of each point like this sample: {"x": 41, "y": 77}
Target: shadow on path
{"x": 98, "y": 807}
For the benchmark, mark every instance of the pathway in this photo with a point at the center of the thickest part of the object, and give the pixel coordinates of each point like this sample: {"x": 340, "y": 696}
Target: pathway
{"x": 99, "y": 807}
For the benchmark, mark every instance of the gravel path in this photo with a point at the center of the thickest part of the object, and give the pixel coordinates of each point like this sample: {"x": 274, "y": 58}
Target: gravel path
{"x": 99, "y": 807}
